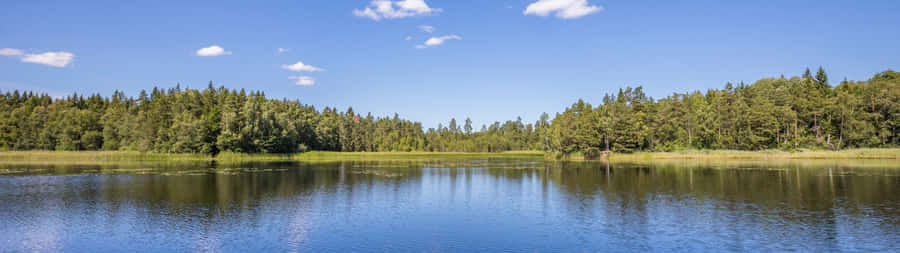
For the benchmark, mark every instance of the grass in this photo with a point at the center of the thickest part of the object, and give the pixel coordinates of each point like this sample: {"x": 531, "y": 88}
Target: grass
{"x": 116, "y": 156}
{"x": 869, "y": 153}
{"x": 95, "y": 156}
{"x": 125, "y": 156}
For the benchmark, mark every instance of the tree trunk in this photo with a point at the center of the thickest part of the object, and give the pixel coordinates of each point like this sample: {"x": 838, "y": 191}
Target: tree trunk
{"x": 796, "y": 135}
{"x": 816, "y": 124}
{"x": 690, "y": 137}
{"x": 873, "y": 104}
{"x": 841, "y": 138}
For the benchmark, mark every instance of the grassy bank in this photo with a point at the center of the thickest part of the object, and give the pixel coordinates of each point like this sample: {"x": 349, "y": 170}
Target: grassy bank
{"x": 121, "y": 156}
{"x": 888, "y": 153}
{"x": 74, "y": 156}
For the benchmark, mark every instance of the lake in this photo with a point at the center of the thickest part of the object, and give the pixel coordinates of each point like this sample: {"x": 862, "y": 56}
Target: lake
{"x": 452, "y": 205}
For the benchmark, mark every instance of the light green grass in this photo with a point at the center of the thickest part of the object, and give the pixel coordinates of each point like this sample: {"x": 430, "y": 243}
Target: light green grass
{"x": 95, "y": 156}
{"x": 888, "y": 153}
{"x": 121, "y": 156}
{"x": 127, "y": 156}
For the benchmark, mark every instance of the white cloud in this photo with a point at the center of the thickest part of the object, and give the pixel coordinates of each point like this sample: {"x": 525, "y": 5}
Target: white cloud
{"x": 368, "y": 13}
{"x": 427, "y": 28}
{"x": 11, "y": 52}
{"x": 283, "y": 50}
{"x": 566, "y": 9}
{"x": 299, "y": 67}
{"x": 437, "y": 41}
{"x": 303, "y": 80}
{"x": 386, "y": 9}
{"x": 408, "y": 38}
{"x": 212, "y": 51}
{"x": 55, "y": 59}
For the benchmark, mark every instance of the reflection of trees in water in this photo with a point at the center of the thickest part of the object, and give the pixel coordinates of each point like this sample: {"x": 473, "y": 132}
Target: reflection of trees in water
{"x": 739, "y": 194}
{"x": 813, "y": 186}
{"x": 619, "y": 194}
{"x": 796, "y": 186}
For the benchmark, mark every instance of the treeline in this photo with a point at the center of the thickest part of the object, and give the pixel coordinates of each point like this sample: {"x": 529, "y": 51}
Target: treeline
{"x": 772, "y": 113}
{"x": 213, "y": 120}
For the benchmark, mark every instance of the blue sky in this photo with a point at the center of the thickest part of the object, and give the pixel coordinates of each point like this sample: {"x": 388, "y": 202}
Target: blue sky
{"x": 507, "y": 59}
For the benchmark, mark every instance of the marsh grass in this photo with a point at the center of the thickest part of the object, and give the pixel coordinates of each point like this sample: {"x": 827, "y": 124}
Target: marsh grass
{"x": 872, "y": 153}
{"x": 324, "y": 155}
{"x": 133, "y": 156}
{"x": 126, "y": 156}
{"x": 48, "y": 156}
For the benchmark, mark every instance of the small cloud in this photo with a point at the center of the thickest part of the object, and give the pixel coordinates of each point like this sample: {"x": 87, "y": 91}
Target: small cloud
{"x": 283, "y": 50}
{"x": 212, "y": 51}
{"x": 300, "y": 67}
{"x": 407, "y": 38}
{"x": 303, "y": 80}
{"x": 367, "y": 13}
{"x": 11, "y": 52}
{"x": 437, "y": 41}
{"x": 386, "y": 9}
{"x": 427, "y": 28}
{"x": 54, "y": 59}
{"x": 566, "y": 9}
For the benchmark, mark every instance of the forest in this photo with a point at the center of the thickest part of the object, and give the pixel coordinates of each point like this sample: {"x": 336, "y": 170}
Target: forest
{"x": 802, "y": 112}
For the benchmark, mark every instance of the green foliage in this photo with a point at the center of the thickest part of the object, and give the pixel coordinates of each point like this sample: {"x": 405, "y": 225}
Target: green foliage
{"x": 772, "y": 113}
{"x": 216, "y": 120}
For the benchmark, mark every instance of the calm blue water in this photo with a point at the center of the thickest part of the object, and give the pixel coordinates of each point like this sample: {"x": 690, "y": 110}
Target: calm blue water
{"x": 497, "y": 205}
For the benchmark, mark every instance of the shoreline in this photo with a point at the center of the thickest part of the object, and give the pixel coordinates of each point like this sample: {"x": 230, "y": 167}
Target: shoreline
{"x": 127, "y": 156}
{"x": 847, "y": 154}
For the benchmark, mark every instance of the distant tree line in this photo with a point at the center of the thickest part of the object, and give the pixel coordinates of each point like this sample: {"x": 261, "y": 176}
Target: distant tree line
{"x": 772, "y": 113}
{"x": 213, "y": 120}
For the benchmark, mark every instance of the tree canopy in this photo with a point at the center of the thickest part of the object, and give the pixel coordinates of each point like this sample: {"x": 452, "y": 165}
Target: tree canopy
{"x": 772, "y": 113}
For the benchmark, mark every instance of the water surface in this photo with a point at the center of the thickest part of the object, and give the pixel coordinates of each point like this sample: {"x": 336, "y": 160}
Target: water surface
{"x": 486, "y": 205}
